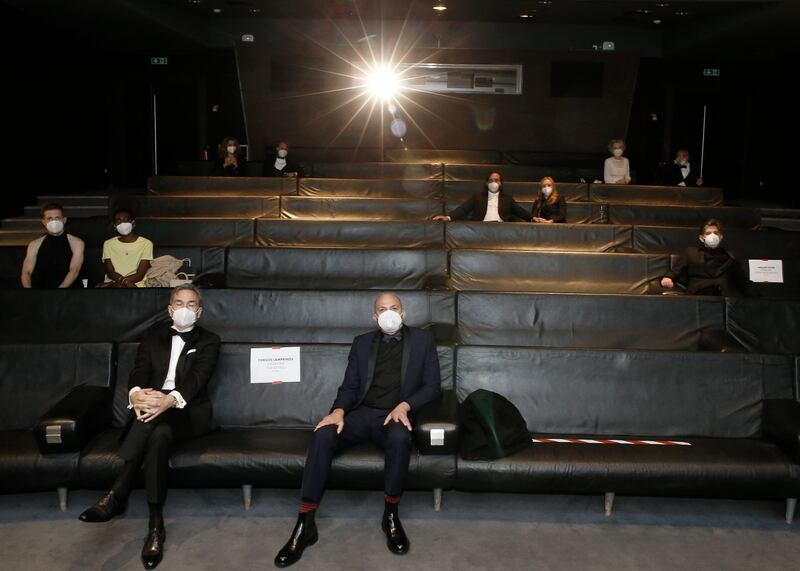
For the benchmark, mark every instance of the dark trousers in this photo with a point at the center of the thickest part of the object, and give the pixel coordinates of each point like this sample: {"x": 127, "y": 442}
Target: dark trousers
{"x": 362, "y": 424}
{"x": 713, "y": 286}
{"x": 149, "y": 445}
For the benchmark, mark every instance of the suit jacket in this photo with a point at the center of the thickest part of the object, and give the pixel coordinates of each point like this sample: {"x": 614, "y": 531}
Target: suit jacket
{"x": 195, "y": 367}
{"x": 671, "y": 175}
{"x": 475, "y": 208}
{"x": 420, "y": 381}
{"x": 694, "y": 265}
{"x": 270, "y": 170}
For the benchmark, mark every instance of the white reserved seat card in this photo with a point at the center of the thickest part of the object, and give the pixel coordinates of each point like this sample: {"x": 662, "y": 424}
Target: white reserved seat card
{"x": 766, "y": 271}
{"x": 275, "y": 365}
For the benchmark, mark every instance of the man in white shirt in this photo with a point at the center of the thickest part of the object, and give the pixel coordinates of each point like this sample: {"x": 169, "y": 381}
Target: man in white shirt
{"x": 169, "y": 404}
{"x": 490, "y": 205}
{"x": 679, "y": 172}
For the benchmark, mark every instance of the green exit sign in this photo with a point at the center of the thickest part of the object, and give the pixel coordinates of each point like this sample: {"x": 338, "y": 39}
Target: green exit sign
{"x": 711, "y": 72}
{"x": 158, "y": 61}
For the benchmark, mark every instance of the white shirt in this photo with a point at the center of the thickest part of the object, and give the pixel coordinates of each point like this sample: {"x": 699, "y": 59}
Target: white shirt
{"x": 615, "y": 169}
{"x": 684, "y": 173}
{"x": 492, "y": 214}
{"x": 169, "y": 382}
{"x": 280, "y": 163}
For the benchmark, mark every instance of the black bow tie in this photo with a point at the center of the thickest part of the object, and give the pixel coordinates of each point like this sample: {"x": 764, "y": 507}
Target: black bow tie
{"x": 396, "y": 337}
{"x": 185, "y": 335}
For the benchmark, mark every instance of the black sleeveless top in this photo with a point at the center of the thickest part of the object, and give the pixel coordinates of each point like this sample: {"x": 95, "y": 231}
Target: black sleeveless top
{"x": 52, "y": 262}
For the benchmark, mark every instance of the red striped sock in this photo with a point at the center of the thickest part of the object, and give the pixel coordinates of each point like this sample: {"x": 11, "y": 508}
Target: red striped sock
{"x": 392, "y": 499}
{"x": 306, "y": 507}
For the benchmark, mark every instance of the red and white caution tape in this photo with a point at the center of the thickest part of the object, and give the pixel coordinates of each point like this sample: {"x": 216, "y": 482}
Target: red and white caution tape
{"x": 614, "y": 441}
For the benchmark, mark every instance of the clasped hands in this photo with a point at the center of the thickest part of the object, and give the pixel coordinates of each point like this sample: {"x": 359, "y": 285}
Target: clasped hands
{"x": 148, "y": 404}
{"x": 398, "y": 414}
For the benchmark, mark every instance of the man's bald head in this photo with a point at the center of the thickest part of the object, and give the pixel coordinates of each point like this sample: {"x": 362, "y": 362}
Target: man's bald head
{"x": 388, "y": 301}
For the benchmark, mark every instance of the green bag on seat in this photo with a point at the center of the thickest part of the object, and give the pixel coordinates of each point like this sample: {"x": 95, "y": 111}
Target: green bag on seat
{"x": 491, "y": 427}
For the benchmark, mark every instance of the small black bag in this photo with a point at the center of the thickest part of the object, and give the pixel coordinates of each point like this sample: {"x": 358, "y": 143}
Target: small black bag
{"x": 491, "y": 427}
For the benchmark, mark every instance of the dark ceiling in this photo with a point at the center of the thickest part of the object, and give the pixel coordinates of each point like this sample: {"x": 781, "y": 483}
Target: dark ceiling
{"x": 705, "y": 27}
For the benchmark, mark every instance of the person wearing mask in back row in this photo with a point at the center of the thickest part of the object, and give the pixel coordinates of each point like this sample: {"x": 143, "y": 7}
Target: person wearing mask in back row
{"x": 391, "y": 372}
{"x": 55, "y": 259}
{"x": 279, "y": 163}
{"x": 549, "y": 206}
{"x": 169, "y": 404}
{"x": 708, "y": 269}
{"x": 679, "y": 172}
{"x": 617, "y": 169}
{"x": 126, "y": 257}
{"x": 490, "y": 205}
{"x": 230, "y": 160}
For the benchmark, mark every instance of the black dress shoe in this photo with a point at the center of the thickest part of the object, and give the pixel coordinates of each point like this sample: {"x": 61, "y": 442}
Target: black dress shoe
{"x": 304, "y": 535}
{"x": 106, "y": 508}
{"x": 153, "y": 550}
{"x": 396, "y": 539}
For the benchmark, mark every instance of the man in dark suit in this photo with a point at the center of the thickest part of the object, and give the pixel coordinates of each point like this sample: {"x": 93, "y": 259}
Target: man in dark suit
{"x": 280, "y": 164}
{"x": 489, "y": 205}
{"x": 679, "y": 172}
{"x": 169, "y": 402}
{"x": 390, "y": 374}
{"x": 708, "y": 268}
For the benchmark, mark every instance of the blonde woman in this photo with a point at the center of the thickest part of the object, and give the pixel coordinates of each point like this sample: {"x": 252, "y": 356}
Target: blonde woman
{"x": 617, "y": 169}
{"x": 549, "y": 206}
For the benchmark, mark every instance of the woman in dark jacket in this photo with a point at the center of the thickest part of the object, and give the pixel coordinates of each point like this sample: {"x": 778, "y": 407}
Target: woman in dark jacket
{"x": 549, "y": 206}
{"x": 230, "y": 161}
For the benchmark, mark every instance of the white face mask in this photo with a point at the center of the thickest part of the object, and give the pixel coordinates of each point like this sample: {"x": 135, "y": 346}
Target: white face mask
{"x": 712, "y": 240}
{"x": 124, "y": 228}
{"x": 493, "y": 186}
{"x": 184, "y": 318}
{"x": 282, "y": 153}
{"x": 547, "y": 191}
{"x": 390, "y": 322}
{"x": 617, "y": 152}
{"x": 55, "y": 226}
{"x": 231, "y": 149}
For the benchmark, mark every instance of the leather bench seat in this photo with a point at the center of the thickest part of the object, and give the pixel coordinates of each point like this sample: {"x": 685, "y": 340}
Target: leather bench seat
{"x": 23, "y": 468}
{"x": 370, "y": 188}
{"x": 562, "y": 272}
{"x": 722, "y": 404}
{"x": 692, "y": 216}
{"x": 663, "y": 195}
{"x": 710, "y": 467}
{"x": 33, "y": 378}
{"x": 195, "y": 186}
{"x": 675, "y": 323}
{"x": 274, "y": 457}
{"x": 538, "y": 237}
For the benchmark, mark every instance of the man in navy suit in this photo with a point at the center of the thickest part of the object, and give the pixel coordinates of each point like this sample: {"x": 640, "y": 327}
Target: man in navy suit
{"x": 390, "y": 374}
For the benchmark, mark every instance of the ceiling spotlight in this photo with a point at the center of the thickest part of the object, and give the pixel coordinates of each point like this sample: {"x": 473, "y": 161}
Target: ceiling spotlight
{"x": 217, "y": 10}
{"x": 381, "y": 82}
{"x": 255, "y": 11}
{"x": 681, "y": 13}
{"x": 662, "y": 4}
{"x": 195, "y": 1}
{"x": 656, "y": 22}
{"x": 440, "y": 7}
{"x": 528, "y": 14}
{"x": 642, "y": 11}
{"x": 545, "y": 2}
